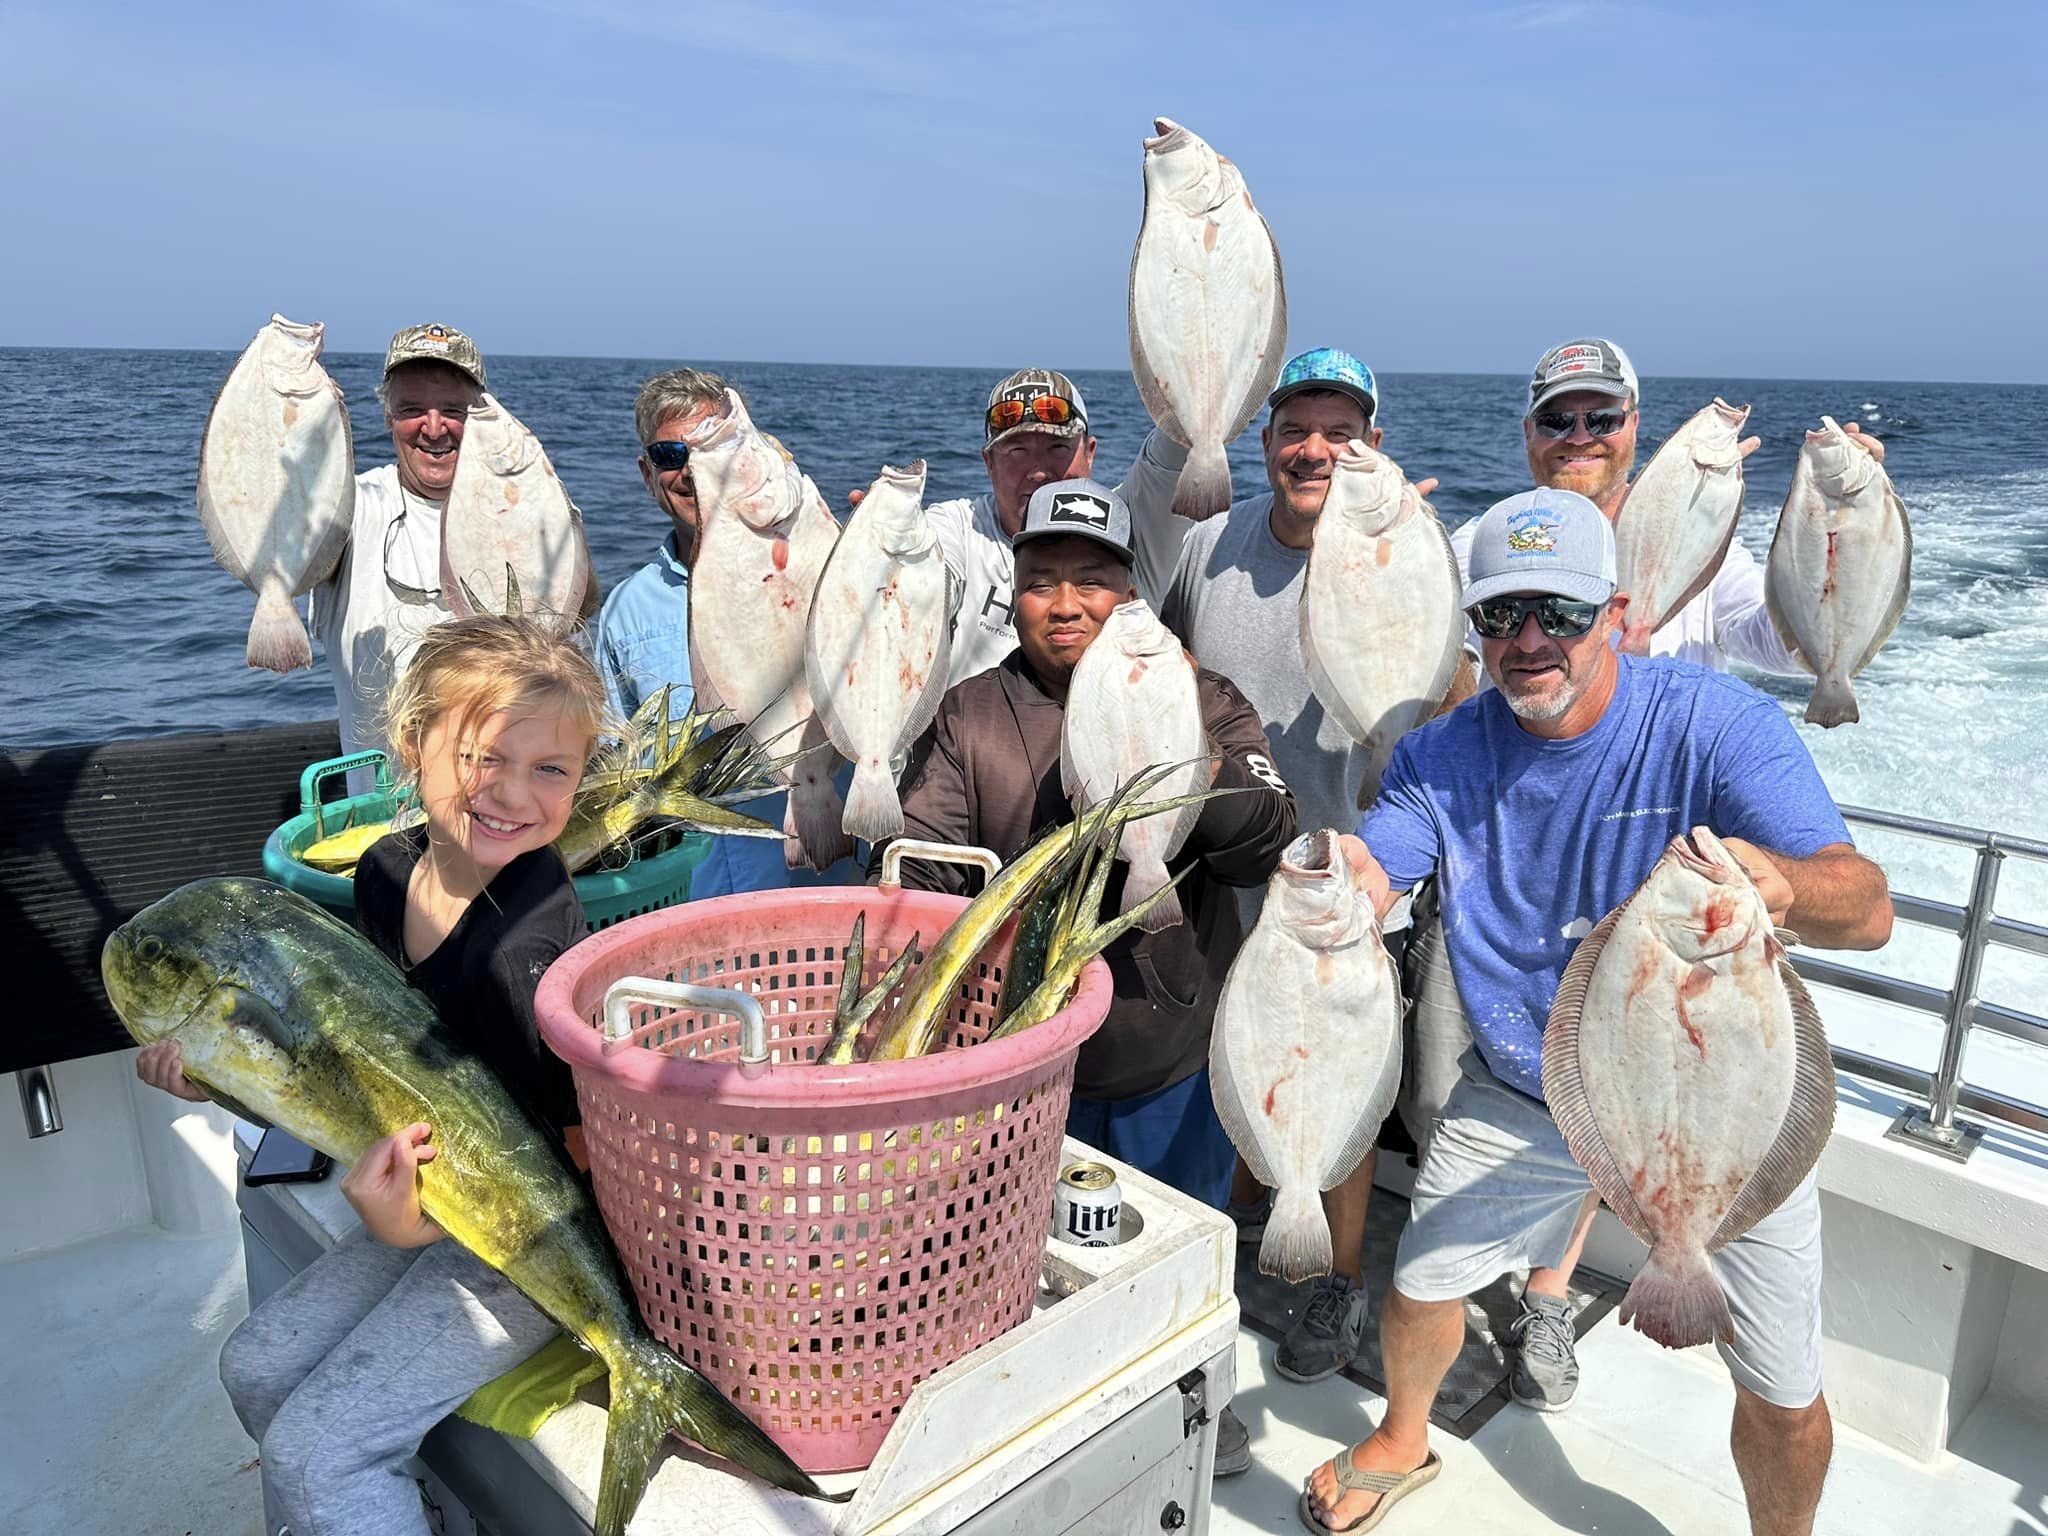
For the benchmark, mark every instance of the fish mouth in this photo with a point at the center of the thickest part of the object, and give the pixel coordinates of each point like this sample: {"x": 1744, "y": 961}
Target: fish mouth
{"x": 1313, "y": 853}
{"x": 1169, "y": 135}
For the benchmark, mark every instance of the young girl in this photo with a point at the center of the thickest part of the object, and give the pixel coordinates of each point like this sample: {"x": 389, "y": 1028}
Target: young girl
{"x": 338, "y": 1375}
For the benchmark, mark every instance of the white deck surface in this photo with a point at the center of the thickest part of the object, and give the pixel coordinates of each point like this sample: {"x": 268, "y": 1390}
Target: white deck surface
{"x": 114, "y": 1424}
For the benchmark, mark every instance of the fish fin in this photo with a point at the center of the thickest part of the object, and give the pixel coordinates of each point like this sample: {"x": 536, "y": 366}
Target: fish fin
{"x": 513, "y": 607}
{"x": 873, "y": 810}
{"x": 652, "y": 1393}
{"x": 1379, "y": 1102}
{"x": 1901, "y": 593}
{"x": 1564, "y": 1082}
{"x": 1809, "y": 1120}
{"x": 1786, "y": 937}
{"x": 1230, "y": 1096}
{"x": 1677, "y": 1300}
{"x": 1143, "y": 884}
{"x": 1833, "y": 703}
{"x": 849, "y": 966}
{"x": 680, "y": 805}
{"x": 469, "y": 603}
{"x": 277, "y": 640}
{"x": 1204, "y": 487}
{"x": 1297, "y": 1242}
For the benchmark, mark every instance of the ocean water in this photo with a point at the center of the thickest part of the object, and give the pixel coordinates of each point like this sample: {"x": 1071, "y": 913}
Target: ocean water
{"x": 115, "y": 622}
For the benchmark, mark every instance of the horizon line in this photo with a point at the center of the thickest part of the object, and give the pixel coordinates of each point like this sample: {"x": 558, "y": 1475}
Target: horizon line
{"x": 632, "y": 357}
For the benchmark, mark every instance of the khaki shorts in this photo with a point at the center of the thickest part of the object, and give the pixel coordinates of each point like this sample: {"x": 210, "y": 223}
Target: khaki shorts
{"x": 1498, "y": 1192}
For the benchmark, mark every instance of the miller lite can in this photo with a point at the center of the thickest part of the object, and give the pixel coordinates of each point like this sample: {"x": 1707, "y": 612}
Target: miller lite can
{"x": 1087, "y": 1206}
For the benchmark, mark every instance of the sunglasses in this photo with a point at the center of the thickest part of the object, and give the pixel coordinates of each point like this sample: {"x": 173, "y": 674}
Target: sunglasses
{"x": 1602, "y": 423}
{"x": 1502, "y": 618}
{"x": 668, "y": 457}
{"x": 1051, "y": 410}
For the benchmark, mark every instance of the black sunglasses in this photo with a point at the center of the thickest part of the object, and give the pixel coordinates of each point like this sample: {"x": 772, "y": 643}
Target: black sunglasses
{"x": 1600, "y": 423}
{"x": 1502, "y": 618}
{"x": 666, "y": 456}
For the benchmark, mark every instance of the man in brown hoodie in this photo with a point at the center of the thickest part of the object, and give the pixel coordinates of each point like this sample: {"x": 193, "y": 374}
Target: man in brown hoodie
{"x": 987, "y": 772}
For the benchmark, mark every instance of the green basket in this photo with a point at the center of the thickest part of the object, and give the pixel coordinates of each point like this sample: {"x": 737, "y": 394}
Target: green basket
{"x": 647, "y": 884}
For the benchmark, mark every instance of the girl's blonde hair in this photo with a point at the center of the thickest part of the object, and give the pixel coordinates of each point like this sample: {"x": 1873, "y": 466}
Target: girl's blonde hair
{"x": 466, "y": 670}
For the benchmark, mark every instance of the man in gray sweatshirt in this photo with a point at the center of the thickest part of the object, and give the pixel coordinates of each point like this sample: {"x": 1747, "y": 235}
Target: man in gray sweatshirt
{"x": 1235, "y": 601}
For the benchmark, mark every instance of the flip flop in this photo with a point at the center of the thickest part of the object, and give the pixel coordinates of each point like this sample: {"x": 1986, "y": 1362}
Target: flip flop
{"x": 1392, "y": 1487}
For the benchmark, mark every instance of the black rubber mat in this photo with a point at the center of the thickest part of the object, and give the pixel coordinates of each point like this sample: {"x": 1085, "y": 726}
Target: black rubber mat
{"x": 1477, "y": 1386}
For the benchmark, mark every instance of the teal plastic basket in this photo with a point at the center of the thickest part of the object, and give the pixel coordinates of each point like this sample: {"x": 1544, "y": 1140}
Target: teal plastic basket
{"x": 649, "y": 883}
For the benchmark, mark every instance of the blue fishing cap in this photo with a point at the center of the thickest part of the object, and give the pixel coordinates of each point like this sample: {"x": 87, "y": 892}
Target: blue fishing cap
{"x": 1543, "y": 540}
{"x": 1328, "y": 368}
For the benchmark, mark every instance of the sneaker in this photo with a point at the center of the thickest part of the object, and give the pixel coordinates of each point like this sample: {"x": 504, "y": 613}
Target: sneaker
{"x": 1326, "y": 1336}
{"x": 1233, "y": 1444}
{"x": 1545, "y": 1375}
{"x": 1251, "y": 1219}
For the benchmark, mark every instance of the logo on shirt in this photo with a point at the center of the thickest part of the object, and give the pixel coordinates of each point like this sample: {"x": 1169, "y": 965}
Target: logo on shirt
{"x": 1079, "y": 507}
{"x": 1533, "y": 531}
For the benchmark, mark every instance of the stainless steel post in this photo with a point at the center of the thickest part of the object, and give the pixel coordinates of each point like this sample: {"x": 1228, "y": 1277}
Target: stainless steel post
{"x": 39, "y": 1101}
{"x": 1937, "y": 1130}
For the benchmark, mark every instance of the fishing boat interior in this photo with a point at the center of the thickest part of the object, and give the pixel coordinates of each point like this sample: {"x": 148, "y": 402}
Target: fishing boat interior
{"x": 131, "y": 1243}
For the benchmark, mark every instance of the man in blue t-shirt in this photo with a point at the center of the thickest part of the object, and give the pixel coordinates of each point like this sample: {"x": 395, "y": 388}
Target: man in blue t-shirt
{"x": 1540, "y": 806}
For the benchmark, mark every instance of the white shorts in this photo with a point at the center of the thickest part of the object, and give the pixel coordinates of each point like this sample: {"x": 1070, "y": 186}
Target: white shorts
{"x": 1498, "y": 1192}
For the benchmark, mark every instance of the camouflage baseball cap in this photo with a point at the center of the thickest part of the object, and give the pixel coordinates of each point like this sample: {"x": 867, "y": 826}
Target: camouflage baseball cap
{"x": 436, "y": 344}
{"x": 1025, "y": 386}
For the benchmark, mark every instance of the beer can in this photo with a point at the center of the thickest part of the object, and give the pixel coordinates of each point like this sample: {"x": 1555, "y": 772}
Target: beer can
{"x": 1087, "y": 1206}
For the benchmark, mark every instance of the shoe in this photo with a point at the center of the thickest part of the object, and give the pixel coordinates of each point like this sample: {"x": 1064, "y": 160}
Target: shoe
{"x": 1233, "y": 1444}
{"x": 1251, "y": 1219}
{"x": 1326, "y": 1336}
{"x": 1545, "y": 1375}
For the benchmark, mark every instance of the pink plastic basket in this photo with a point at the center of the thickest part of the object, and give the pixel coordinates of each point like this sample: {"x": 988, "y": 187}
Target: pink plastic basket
{"x": 815, "y": 1240}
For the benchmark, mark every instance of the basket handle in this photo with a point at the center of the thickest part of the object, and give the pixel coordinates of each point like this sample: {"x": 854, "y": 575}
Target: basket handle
{"x": 621, "y": 995}
{"x": 327, "y": 768}
{"x": 903, "y": 848}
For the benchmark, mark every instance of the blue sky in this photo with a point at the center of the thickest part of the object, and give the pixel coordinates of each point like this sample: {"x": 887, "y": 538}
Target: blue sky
{"x": 1745, "y": 189}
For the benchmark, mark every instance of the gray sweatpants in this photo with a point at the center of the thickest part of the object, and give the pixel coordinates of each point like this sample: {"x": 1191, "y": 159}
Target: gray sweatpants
{"x": 339, "y": 1375}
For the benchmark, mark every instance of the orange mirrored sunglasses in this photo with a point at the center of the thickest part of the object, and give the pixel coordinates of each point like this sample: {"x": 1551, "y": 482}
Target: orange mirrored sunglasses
{"x": 1052, "y": 410}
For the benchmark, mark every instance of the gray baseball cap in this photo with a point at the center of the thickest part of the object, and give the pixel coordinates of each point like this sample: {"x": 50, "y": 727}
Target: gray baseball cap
{"x": 436, "y": 344}
{"x": 1590, "y": 363}
{"x": 1026, "y": 385}
{"x": 1543, "y": 540}
{"x": 1078, "y": 509}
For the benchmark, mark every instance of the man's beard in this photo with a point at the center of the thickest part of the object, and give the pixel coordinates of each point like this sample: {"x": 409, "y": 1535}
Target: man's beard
{"x": 1548, "y": 706}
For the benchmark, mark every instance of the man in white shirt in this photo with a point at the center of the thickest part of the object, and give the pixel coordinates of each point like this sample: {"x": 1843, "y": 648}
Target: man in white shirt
{"x": 386, "y": 592}
{"x": 1035, "y": 431}
{"x": 1580, "y": 433}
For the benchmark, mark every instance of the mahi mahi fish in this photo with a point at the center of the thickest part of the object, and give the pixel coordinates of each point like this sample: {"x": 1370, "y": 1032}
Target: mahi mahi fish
{"x": 879, "y": 643}
{"x": 1841, "y": 567}
{"x": 766, "y": 536}
{"x": 1686, "y": 1066}
{"x": 287, "y": 1016}
{"x": 1382, "y": 622}
{"x": 1675, "y": 524}
{"x": 277, "y": 483}
{"x": 511, "y": 540}
{"x": 1132, "y": 705}
{"x": 1208, "y": 309}
{"x": 1305, "y": 1058}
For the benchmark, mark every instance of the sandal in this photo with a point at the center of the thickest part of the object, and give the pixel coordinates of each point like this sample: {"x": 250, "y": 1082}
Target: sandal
{"x": 1390, "y": 1486}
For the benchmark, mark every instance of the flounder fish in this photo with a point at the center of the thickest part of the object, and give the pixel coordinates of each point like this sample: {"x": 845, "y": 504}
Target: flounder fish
{"x": 1688, "y": 1071}
{"x": 1132, "y": 704}
{"x": 766, "y": 536}
{"x": 1305, "y": 1058}
{"x": 277, "y": 483}
{"x": 511, "y": 542}
{"x": 1840, "y": 569}
{"x": 1208, "y": 309}
{"x": 1382, "y": 622}
{"x": 1675, "y": 524}
{"x": 879, "y": 643}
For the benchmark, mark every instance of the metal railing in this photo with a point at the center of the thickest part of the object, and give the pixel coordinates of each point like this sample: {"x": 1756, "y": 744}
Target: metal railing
{"x": 1976, "y": 926}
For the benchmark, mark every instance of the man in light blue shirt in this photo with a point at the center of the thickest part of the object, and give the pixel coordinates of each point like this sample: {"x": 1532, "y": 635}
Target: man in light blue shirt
{"x": 642, "y": 637}
{"x": 1540, "y": 805}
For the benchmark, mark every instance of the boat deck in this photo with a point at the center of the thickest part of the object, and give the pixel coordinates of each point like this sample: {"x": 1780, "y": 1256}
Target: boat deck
{"x": 141, "y": 1439}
